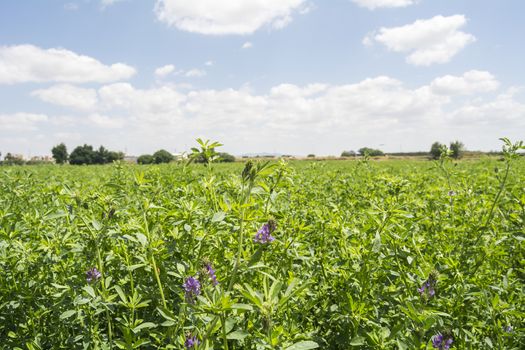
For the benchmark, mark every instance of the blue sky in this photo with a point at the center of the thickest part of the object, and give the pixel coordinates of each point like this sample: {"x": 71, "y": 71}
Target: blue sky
{"x": 286, "y": 76}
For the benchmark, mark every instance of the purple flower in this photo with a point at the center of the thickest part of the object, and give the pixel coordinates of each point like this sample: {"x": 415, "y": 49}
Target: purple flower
{"x": 442, "y": 342}
{"x": 191, "y": 341}
{"x": 211, "y": 273}
{"x": 508, "y": 329}
{"x": 264, "y": 235}
{"x": 192, "y": 287}
{"x": 451, "y": 193}
{"x": 92, "y": 274}
{"x": 428, "y": 288}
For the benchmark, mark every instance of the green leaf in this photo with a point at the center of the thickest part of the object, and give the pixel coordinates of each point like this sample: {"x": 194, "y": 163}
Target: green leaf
{"x": 67, "y": 314}
{"x": 218, "y": 217}
{"x": 303, "y": 345}
{"x": 90, "y": 291}
{"x": 237, "y": 335}
{"x": 357, "y": 341}
{"x": 239, "y": 306}
{"x": 121, "y": 294}
{"x": 143, "y": 326}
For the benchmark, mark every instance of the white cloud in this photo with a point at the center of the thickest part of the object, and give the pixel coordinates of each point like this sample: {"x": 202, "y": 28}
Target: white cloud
{"x": 106, "y": 3}
{"x": 504, "y": 110}
{"x": 71, "y": 6}
{"x": 68, "y": 96}
{"x": 209, "y": 63}
{"x": 21, "y": 121}
{"x": 164, "y": 70}
{"x": 226, "y": 17}
{"x": 28, "y": 63}
{"x": 105, "y": 122}
{"x": 247, "y": 45}
{"x": 373, "y": 4}
{"x": 471, "y": 82}
{"x": 429, "y": 41}
{"x": 195, "y": 73}
{"x": 287, "y": 117}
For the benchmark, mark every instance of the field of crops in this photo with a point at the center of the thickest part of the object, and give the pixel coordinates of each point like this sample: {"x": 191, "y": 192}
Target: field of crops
{"x": 299, "y": 255}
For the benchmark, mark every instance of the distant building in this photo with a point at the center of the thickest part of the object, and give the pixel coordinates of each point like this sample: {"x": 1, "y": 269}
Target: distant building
{"x": 130, "y": 159}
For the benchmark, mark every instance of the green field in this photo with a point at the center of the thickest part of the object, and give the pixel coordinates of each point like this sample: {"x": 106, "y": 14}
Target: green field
{"x": 366, "y": 255}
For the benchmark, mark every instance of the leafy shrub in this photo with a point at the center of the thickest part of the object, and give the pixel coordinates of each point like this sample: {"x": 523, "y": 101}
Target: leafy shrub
{"x": 146, "y": 159}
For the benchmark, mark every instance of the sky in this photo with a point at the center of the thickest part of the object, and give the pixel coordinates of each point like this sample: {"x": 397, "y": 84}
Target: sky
{"x": 278, "y": 76}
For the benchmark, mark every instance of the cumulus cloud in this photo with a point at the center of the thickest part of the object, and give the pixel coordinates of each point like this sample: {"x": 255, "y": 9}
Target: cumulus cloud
{"x": 105, "y": 122}
{"x": 289, "y": 116}
{"x": 247, "y": 45}
{"x": 164, "y": 70}
{"x": 28, "y": 63}
{"x": 226, "y": 17}
{"x": 470, "y": 82}
{"x": 373, "y": 4}
{"x": 195, "y": 73}
{"x": 68, "y": 96}
{"x": 504, "y": 110}
{"x": 428, "y": 41}
{"x": 21, "y": 121}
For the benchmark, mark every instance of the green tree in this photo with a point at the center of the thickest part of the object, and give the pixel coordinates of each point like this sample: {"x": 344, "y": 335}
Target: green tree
{"x": 457, "y": 149}
{"x": 146, "y": 159}
{"x": 224, "y": 157}
{"x": 60, "y": 153}
{"x": 370, "y": 151}
{"x": 113, "y": 156}
{"x": 162, "y": 156}
{"x": 436, "y": 149}
{"x": 83, "y": 155}
{"x": 348, "y": 154}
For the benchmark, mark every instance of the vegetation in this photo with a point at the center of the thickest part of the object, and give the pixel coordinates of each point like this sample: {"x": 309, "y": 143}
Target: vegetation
{"x": 87, "y": 155}
{"x": 60, "y": 153}
{"x": 162, "y": 156}
{"x": 457, "y": 148}
{"x": 348, "y": 154}
{"x": 146, "y": 159}
{"x": 300, "y": 255}
{"x": 370, "y": 152}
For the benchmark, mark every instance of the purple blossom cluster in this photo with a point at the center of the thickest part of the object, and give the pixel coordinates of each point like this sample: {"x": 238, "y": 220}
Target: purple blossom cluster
{"x": 264, "y": 235}
{"x": 428, "y": 288}
{"x": 192, "y": 289}
{"x": 92, "y": 275}
{"x": 191, "y": 341}
{"x": 211, "y": 273}
{"x": 442, "y": 342}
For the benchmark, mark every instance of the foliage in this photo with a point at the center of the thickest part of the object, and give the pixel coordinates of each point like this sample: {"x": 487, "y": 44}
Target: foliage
{"x": 11, "y": 159}
{"x": 162, "y": 156}
{"x": 87, "y": 155}
{"x": 370, "y": 152}
{"x": 146, "y": 159}
{"x": 311, "y": 155}
{"x": 457, "y": 148}
{"x": 348, "y": 154}
{"x": 300, "y": 255}
{"x": 60, "y": 153}
{"x": 206, "y": 154}
{"x": 224, "y": 157}
{"x": 436, "y": 150}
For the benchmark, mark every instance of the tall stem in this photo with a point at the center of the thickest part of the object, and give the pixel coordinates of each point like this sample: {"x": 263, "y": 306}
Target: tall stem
{"x": 153, "y": 262}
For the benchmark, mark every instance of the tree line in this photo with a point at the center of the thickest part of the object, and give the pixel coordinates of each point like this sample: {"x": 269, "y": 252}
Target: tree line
{"x": 85, "y": 154}
{"x": 455, "y": 150}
